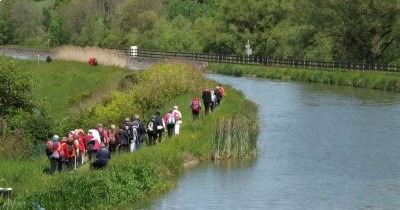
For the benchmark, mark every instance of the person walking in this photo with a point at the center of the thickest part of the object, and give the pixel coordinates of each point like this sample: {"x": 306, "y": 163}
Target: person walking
{"x": 93, "y": 143}
{"x": 138, "y": 132}
{"x": 170, "y": 120}
{"x": 178, "y": 117}
{"x": 52, "y": 148}
{"x": 160, "y": 126}
{"x": 123, "y": 139}
{"x": 80, "y": 135}
{"x": 103, "y": 134}
{"x": 206, "y": 96}
{"x": 195, "y": 105}
{"x": 63, "y": 151}
{"x": 102, "y": 157}
{"x": 151, "y": 131}
{"x": 221, "y": 91}
{"x": 213, "y": 101}
{"x": 73, "y": 147}
{"x": 112, "y": 135}
{"x": 218, "y": 96}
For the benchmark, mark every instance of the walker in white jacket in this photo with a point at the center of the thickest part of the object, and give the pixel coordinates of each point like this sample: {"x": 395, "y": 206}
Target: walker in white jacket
{"x": 178, "y": 122}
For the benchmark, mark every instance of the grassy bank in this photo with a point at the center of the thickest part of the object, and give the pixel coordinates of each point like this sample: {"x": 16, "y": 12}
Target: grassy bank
{"x": 134, "y": 176}
{"x": 67, "y": 85}
{"x": 374, "y": 80}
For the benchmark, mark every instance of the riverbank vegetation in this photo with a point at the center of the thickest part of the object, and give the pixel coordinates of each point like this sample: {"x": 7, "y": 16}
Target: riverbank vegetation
{"x": 133, "y": 176}
{"x": 235, "y": 136}
{"x": 374, "y": 80}
{"x": 352, "y": 31}
{"x": 51, "y": 92}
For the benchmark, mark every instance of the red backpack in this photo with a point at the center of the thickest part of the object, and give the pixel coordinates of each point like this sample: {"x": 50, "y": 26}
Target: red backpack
{"x": 196, "y": 104}
{"x": 61, "y": 151}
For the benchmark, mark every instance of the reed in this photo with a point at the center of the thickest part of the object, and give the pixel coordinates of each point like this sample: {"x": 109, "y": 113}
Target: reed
{"x": 107, "y": 57}
{"x": 234, "y": 137}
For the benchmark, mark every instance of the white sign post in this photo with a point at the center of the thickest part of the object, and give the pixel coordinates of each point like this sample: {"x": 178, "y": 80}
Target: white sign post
{"x": 133, "y": 51}
{"x": 249, "y": 51}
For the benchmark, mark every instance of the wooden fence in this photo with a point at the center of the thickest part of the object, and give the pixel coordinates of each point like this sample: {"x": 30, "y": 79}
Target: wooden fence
{"x": 265, "y": 61}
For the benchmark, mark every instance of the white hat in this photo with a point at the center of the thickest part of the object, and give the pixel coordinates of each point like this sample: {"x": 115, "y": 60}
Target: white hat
{"x": 112, "y": 126}
{"x": 175, "y": 107}
{"x": 56, "y": 136}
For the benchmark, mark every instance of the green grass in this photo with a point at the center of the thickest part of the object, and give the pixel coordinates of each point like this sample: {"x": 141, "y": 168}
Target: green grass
{"x": 65, "y": 84}
{"x": 374, "y": 80}
{"x": 134, "y": 176}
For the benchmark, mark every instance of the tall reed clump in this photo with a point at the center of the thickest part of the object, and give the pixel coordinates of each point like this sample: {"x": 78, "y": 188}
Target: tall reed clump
{"x": 235, "y": 136}
{"x": 374, "y": 80}
{"x": 103, "y": 56}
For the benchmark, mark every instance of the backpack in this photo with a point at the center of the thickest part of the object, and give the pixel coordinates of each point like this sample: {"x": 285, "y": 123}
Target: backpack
{"x": 159, "y": 123}
{"x": 171, "y": 119}
{"x": 150, "y": 126}
{"x": 111, "y": 135}
{"x": 217, "y": 93}
{"x": 61, "y": 152}
{"x": 101, "y": 133}
{"x": 70, "y": 147}
{"x": 122, "y": 137}
{"x": 135, "y": 124}
{"x": 195, "y": 104}
{"x": 90, "y": 145}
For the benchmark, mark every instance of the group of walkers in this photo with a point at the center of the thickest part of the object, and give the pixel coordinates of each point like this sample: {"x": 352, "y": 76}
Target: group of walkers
{"x": 99, "y": 144}
{"x": 211, "y": 99}
{"x": 72, "y": 150}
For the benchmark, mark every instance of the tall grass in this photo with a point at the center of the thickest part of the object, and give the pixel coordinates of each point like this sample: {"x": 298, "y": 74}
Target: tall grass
{"x": 234, "y": 136}
{"x": 374, "y": 80}
{"x": 103, "y": 56}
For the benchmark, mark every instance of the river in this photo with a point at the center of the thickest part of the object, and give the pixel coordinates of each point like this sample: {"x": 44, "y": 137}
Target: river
{"x": 321, "y": 147}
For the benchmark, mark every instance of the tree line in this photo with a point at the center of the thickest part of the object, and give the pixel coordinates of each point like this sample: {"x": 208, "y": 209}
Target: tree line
{"x": 353, "y": 31}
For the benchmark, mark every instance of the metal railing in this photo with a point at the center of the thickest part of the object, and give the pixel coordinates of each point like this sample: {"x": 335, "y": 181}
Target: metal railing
{"x": 265, "y": 61}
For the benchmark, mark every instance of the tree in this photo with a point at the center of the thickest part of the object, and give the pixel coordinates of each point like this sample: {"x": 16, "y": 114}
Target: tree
{"x": 244, "y": 20}
{"x": 15, "y": 88}
{"x": 355, "y": 31}
{"x": 368, "y": 32}
{"x": 26, "y": 18}
{"x": 5, "y": 23}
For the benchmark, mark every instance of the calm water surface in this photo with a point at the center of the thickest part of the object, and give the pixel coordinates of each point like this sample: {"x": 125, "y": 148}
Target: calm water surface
{"x": 321, "y": 147}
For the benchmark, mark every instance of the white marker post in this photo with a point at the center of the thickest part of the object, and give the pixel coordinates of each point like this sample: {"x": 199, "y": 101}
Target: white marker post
{"x": 249, "y": 51}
